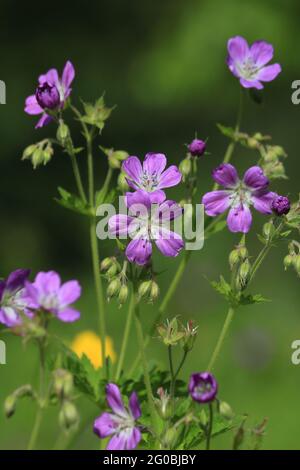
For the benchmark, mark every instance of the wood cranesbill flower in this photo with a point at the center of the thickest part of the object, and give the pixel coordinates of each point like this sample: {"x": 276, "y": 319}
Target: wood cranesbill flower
{"x": 12, "y": 303}
{"x": 145, "y": 225}
{"x": 120, "y": 424}
{"x": 48, "y": 294}
{"x": 249, "y": 64}
{"x": 203, "y": 387}
{"x": 51, "y": 93}
{"x": 238, "y": 196}
{"x": 151, "y": 177}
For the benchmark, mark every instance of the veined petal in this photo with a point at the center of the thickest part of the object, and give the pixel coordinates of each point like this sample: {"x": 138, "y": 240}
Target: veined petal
{"x": 133, "y": 438}
{"x": 118, "y": 441}
{"x": 168, "y": 210}
{"x": 69, "y": 292}
{"x": 169, "y": 243}
{"x": 216, "y": 202}
{"x": 262, "y": 201}
{"x": 239, "y": 219}
{"x": 238, "y": 48}
{"x": 261, "y": 53}
{"x": 31, "y": 106}
{"x": 51, "y": 77}
{"x": 47, "y": 282}
{"x": 268, "y": 73}
{"x": 114, "y": 399}
{"x": 68, "y": 315}
{"x": 139, "y": 251}
{"x": 119, "y": 224}
{"x": 251, "y": 84}
{"x": 154, "y": 163}
{"x": 68, "y": 75}
{"x": 170, "y": 177}
{"x": 226, "y": 175}
{"x": 255, "y": 178}
{"x": 16, "y": 279}
{"x": 137, "y": 198}
{"x": 133, "y": 168}
{"x": 43, "y": 121}
{"x": 157, "y": 196}
{"x": 134, "y": 406}
{"x": 105, "y": 425}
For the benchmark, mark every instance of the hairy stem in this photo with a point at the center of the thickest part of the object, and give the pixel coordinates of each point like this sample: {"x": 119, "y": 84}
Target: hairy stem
{"x": 77, "y": 176}
{"x": 125, "y": 337}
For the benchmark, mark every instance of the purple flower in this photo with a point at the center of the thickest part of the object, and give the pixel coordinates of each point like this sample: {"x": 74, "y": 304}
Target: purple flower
{"x": 249, "y": 63}
{"x": 145, "y": 224}
{"x": 48, "y": 294}
{"x": 197, "y": 147}
{"x": 120, "y": 424}
{"x": 51, "y": 93}
{"x": 281, "y": 205}
{"x": 152, "y": 176}
{"x": 238, "y": 196}
{"x": 203, "y": 387}
{"x": 12, "y": 304}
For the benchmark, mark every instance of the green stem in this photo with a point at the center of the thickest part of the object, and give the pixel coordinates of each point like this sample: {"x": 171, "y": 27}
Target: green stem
{"x": 147, "y": 381}
{"x": 90, "y": 164}
{"x": 210, "y": 426}
{"x": 221, "y": 339}
{"x": 99, "y": 288}
{"x": 39, "y": 415}
{"x": 77, "y": 176}
{"x": 172, "y": 387}
{"x": 125, "y": 337}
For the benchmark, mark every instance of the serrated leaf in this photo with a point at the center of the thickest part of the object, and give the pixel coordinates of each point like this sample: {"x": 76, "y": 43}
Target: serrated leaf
{"x": 227, "y": 131}
{"x": 74, "y": 203}
{"x": 223, "y": 288}
{"x": 102, "y": 198}
{"x": 252, "y": 299}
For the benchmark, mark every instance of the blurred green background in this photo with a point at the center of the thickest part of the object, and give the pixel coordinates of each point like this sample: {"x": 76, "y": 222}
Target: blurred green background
{"x": 163, "y": 64}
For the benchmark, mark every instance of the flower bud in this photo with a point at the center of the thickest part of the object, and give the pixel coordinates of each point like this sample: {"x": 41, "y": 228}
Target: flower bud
{"x": 281, "y": 205}
{"x": 252, "y": 143}
{"x": 154, "y": 291}
{"x": 123, "y": 294}
{"x": 29, "y": 151}
{"x": 164, "y": 405}
{"x": 288, "y": 261}
{"x": 243, "y": 252}
{"x": 114, "y": 162}
{"x": 62, "y": 383}
{"x": 112, "y": 271}
{"x": 185, "y": 167}
{"x": 226, "y": 410}
{"x": 297, "y": 263}
{"x": 122, "y": 182}
{"x": 62, "y": 132}
{"x": 68, "y": 416}
{"x": 144, "y": 289}
{"x": 243, "y": 274}
{"x": 203, "y": 418}
{"x": 197, "y": 147}
{"x": 120, "y": 155}
{"x": 170, "y": 438}
{"x": 268, "y": 230}
{"x": 113, "y": 288}
{"x": 10, "y": 404}
{"x": 47, "y": 96}
{"x": 190, "y": 335}
{"x": 106, "y": 263}
{"x": 234, "y": 258}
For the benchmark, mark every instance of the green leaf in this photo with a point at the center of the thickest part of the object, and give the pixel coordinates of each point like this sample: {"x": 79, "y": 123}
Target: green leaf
{"x": 74, "y": 203}
{"x": 96, "y": 114}
{"x": 252, "y": 299}
{"x": 223, "y": 288}
{"x": 227, "y": 131}
{"x": 102, "y": 198}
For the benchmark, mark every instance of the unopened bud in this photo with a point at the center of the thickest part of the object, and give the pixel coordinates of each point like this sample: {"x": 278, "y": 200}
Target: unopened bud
{"x": 112, "y": 271}
{"x": 297, "y": 263}
{"x": 234, "y": 258}
{"x": 123, "y": 294}
{"x": 113, "y": 288}
{"x": 144, "y": 289}
{"x": 268, "y": 230}
{"x": 154, "y": 291}
{"x": 114, "y": 162}
{"x": 62, "y": 132}
{"x": 122, "y": 182}
{"x": 243, "y": 252}
{"x": 185, "y": 167}
{"x": 288, "y": 261}
{"x": 10, "y": 405}
{"x": 226, "y": 410}
{"x": 68, "y": 416}
{"x": 243, "y": 274}
{"x": 63, "y": 383}
{"x": 106, "y": 264}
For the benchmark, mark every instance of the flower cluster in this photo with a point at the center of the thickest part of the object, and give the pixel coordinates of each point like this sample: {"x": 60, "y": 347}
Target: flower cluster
{"x": 147, "y": 223}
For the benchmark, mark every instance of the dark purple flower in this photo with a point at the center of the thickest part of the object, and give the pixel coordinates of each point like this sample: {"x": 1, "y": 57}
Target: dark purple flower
{"x": 47, "y": 96}
{"x": 281, "y": 205}
{"x": 249, "y": 63}
{"x": 145, "y": 225}
{"x": 12, "y": 304}
{"x": 152, "y": 176}
{"x": 120, "y": 424}
{"x": 52, "y": 92}
{"x": 203, "y": 387}
{"x": 48, "y": 294}
{"x": 197, "y": 147}
{"x": 238, "y": 196}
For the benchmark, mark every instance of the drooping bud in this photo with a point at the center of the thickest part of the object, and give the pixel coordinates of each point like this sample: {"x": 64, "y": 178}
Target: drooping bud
{"x": 144, "y": 289}
{"x": 47, "y": 96}
{"x": 185, "y": 167}
{"x": 297, "y": 263}
{"x": 112, "y": 271}
{"x": 123, "y": 294}
{"x": 62, "y": 383}
{"x": 10, "y": 404}
{"x": 234, "y": 258}
{"x": 68, "y": 416}
{"x": 243, "y": 274}
{"x": 63, "y": 132}
{"x": 106, "y": 263}
{"x": 113, "y": 288}
{"x": 288, "y": 261}
{"x": 226, "y": 410}
{"x": 197, "y": 147}
{"x": 122, "y": 182}
{"x": 39, "y": 154}
{"x": 163, "y": 403}
{"x": 154, "y": 291}
{"x": 268, "y": 230}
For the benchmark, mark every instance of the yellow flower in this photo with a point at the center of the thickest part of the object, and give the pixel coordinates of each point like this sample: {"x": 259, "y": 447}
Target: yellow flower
{"x": 89, "y": 343}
